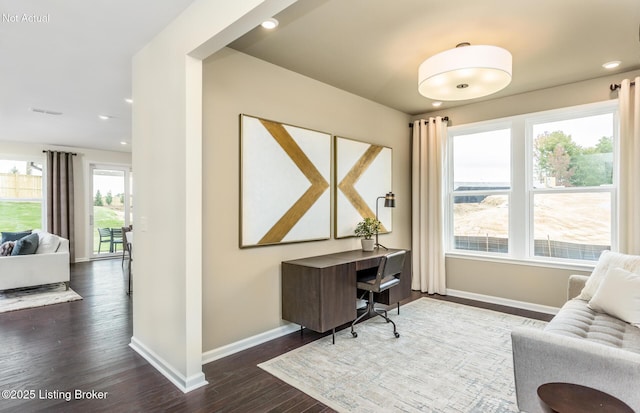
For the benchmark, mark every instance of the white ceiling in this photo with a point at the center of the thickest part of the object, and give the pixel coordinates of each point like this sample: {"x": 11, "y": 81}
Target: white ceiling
{"x": 79, "y": 62}
{"x": 373, "y": 48}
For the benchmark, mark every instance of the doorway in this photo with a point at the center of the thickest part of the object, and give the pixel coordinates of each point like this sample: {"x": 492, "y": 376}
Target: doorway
{"x": 112, "y": 208}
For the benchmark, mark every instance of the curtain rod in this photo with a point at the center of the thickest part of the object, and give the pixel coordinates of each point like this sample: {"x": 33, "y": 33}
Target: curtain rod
{"x": 445, "y": 119}
{"x": 72, "y": 153}
{"x": 615, "y": 86}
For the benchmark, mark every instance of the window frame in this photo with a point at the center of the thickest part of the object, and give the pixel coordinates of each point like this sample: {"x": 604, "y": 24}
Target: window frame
{"x": 43, "y": 199}
{"x": 522, "y": 192}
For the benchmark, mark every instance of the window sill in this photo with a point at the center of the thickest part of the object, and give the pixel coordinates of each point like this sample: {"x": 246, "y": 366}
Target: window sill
{"x": 568, "y": 265}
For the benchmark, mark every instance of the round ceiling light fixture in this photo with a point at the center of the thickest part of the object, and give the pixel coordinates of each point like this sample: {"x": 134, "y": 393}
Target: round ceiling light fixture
{"x": 270, "y": 24}
{"x": 466, "y": 72}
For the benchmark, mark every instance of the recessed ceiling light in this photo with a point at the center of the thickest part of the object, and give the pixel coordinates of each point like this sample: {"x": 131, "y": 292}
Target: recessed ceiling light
{"x": 105, "y": 117}
{"x": 128, "y": 100}
{"x": 436, "y": 104}
{"x": 612, "y": 65}
{"x": 270, "y": 24}
{"x": 123, "y": 143}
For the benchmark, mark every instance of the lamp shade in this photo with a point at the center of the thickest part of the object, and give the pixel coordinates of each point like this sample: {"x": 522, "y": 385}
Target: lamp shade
{"x": 390, "y": 200}
{"x": 465, "y": 72}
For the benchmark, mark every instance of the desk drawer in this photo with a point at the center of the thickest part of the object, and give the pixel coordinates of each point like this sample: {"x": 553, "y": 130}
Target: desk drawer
{"x": 368, "y": 263}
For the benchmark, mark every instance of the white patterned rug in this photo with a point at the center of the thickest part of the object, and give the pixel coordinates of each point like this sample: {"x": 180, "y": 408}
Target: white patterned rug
{"x": 449, "y": 358}
{"x": 21, "y": 298}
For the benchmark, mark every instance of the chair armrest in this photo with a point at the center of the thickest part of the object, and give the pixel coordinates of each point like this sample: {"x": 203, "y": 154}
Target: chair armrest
{"x": 575, "y": 285}
{"x": 540, "y": 357}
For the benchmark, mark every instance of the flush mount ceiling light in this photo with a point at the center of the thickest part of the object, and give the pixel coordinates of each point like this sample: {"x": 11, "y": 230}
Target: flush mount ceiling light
{"x": 270, "y": 23}
{"x": 466, "y": 72}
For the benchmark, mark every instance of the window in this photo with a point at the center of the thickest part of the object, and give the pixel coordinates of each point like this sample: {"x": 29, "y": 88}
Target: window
{"x": 481, "y": 187}
{"x": 21, "y": 194}
{"x": 538, "y": 186}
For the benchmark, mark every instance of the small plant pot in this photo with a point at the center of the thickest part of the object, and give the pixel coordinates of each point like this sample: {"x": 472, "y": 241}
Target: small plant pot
{"x": 367, "y": 244}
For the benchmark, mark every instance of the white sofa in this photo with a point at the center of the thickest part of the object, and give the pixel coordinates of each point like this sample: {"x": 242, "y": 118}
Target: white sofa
{"x": 50, "y": 264}
{"x": 580, "y": 345}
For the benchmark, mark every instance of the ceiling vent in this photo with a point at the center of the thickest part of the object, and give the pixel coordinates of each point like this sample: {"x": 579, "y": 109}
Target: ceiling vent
{"x": 45, "y": 112}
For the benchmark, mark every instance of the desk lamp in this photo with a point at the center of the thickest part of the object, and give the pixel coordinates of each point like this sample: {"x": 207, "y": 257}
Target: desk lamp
{"x": 389, "y": 202}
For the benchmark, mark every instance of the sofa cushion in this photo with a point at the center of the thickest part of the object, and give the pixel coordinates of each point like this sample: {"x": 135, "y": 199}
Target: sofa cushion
{"x": 606, "y": 261}
{"x": 14, "y": 236}
{"x": 619, "y": 295}
{"x": 576, "y": 319}
{"x": 47, "y": 243}
{"x": 26, "y": 245}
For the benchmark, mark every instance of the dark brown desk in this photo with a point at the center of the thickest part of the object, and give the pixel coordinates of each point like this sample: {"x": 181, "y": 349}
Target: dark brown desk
{"x": 320, "y": 292}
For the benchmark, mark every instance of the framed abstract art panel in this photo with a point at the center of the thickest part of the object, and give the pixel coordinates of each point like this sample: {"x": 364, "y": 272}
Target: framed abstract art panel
{"x": 363, "y": 172}
{"x": 285, "y": 172}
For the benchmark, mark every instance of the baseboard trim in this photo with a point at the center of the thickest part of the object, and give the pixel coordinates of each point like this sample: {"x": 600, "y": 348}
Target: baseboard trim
{"x": 185, "y": 384}
{"x": 504, "y": 301}
{"x": 229, "y": 349}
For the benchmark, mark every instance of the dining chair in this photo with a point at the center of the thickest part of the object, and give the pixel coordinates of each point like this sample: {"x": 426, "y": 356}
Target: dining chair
{"x": 125, "y": 249}
{"x": 116, "y": 238}
{"x": 105, "y": 236}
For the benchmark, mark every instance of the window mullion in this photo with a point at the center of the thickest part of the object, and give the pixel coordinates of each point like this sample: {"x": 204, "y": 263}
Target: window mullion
{"x": 518, "y": 210}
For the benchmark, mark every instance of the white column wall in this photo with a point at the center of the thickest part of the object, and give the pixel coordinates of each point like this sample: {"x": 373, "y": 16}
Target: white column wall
{"x": 167, "y": 145}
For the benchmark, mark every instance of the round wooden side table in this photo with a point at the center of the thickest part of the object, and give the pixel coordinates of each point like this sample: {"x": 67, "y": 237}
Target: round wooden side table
{"x": 574, "y": 398}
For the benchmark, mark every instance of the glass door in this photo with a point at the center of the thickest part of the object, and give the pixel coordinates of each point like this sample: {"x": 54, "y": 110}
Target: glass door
{"x": 111, "y": 200}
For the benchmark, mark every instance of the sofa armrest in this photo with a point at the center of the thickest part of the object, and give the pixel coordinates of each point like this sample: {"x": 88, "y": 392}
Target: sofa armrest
{"x": 575, "y": 285}
{"x": 540, "y": 357}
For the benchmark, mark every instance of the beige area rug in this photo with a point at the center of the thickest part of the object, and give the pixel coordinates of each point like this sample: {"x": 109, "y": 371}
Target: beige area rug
{"x": 21, "y": 298}
{"x": 449, "y": 358}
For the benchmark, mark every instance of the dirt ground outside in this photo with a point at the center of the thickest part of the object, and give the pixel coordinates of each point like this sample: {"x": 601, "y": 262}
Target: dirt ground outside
{"x": 579, "y": 218}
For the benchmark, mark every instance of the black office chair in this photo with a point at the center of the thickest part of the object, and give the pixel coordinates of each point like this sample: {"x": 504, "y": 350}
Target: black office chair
{"x": 387, "y": 276}
{"x": 105, "y": 236}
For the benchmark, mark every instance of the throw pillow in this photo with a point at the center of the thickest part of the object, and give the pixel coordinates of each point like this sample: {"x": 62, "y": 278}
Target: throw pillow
{"x": 26, "y": 245}
{"x": 607, "y": 261}
{"x": 47, "y": 243}
{"x": 6, "y": 248}
{"x": 619, "y": 295}
{"x": 14, "y": 236}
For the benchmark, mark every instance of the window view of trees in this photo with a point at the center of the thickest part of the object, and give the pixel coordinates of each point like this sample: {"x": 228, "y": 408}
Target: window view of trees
{"x": 558, "y": 204}
{"x": 560, "y": 161}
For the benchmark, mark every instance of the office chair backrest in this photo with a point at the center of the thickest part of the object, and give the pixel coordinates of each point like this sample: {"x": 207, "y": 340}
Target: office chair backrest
{"x": 391, "y": 266}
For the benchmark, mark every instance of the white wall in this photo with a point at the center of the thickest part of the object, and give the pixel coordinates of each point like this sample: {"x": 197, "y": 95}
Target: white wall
{"x": 167, "y": 147}
{"x": 533, "y": 284}
{"x": 82, "y": 182}
{"x": 241, "y": 287}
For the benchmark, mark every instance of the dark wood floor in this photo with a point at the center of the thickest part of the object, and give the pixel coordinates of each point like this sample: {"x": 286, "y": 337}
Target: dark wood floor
{"x": 83, "y": 346}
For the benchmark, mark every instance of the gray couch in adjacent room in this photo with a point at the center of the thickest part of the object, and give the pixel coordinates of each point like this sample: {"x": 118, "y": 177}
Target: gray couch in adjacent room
{"x": 580, "y": 346}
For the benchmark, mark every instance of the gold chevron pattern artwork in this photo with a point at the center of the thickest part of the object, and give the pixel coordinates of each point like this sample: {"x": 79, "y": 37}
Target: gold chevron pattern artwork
{"x": 363, "y": 172}
{"x": 279, "y": 208}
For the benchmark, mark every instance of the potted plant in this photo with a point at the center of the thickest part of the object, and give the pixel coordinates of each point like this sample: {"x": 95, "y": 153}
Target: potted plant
{"x": 366, "y": 229}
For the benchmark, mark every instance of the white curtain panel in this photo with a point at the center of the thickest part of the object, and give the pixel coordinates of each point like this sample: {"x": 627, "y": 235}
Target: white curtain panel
{"x": 629, "y": 169}
{"x": 427, "y": 236}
